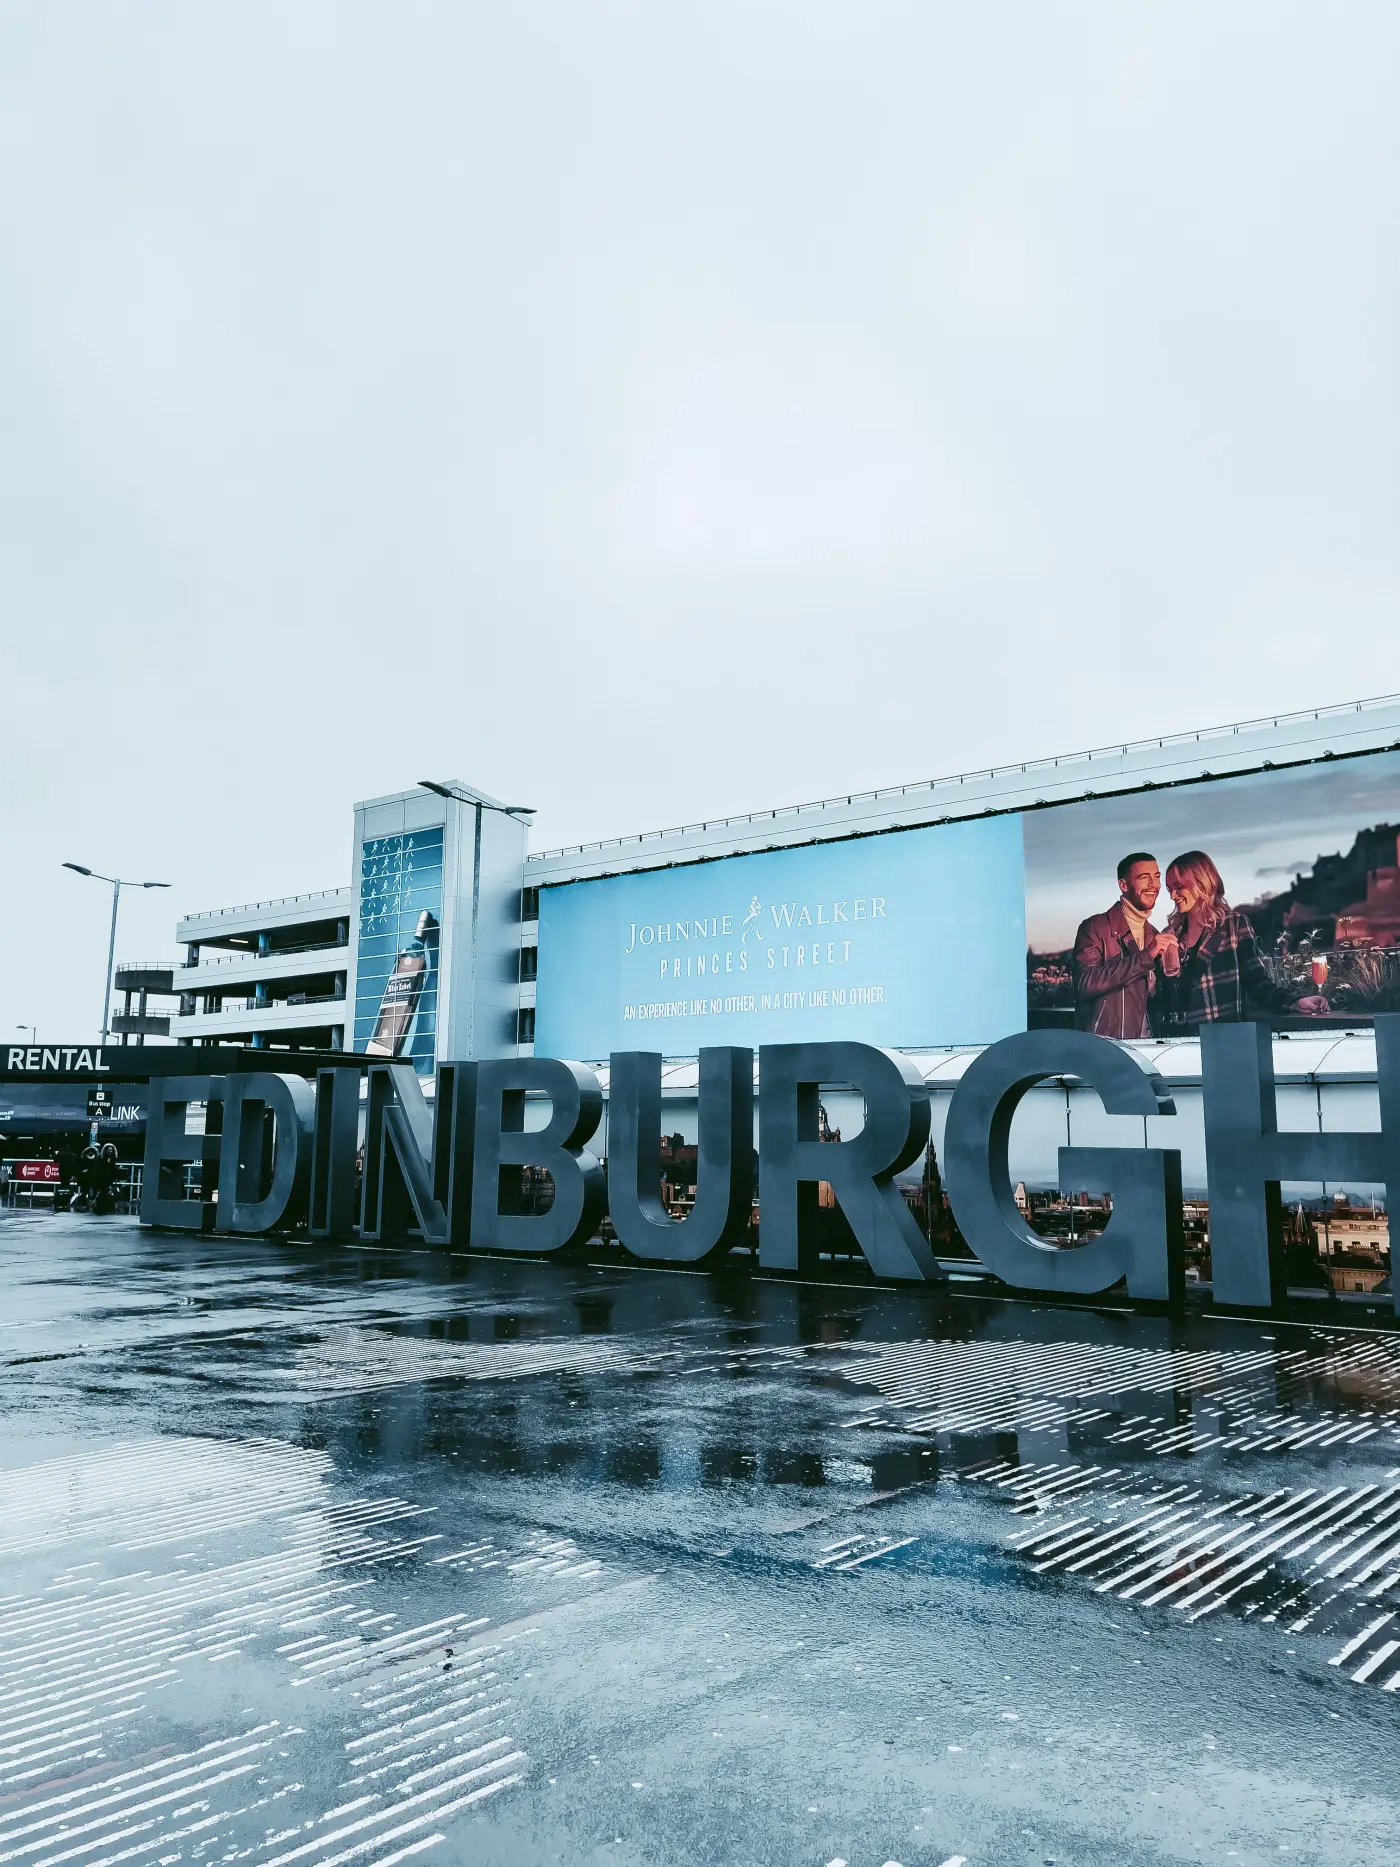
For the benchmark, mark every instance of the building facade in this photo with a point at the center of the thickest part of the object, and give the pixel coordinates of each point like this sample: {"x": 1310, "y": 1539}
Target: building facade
{"x": 273, "y": 974}
{"x": 452, "y": 938}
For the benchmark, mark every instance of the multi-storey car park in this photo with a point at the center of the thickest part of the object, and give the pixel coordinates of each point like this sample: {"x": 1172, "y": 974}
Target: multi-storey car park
{"x": 308, "y": 970}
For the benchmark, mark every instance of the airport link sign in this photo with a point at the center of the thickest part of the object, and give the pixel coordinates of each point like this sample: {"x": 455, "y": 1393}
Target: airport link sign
{"x": 282, "y": 1151}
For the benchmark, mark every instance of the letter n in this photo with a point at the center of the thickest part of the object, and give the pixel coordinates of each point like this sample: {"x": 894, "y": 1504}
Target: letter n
{"x": 454, "y": 1143}
{"x": 398, "y": 1195}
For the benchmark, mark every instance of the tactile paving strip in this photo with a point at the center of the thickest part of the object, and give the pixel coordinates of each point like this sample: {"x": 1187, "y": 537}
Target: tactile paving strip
{"x": 1189, "y": 1535}
{"x": 171, "y": 1578}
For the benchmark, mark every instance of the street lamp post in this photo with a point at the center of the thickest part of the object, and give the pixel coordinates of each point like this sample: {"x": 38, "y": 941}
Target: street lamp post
{"x": 520, "y": 812}
{"x": 117, "y": 887}
{"x": 32, "y": 1029}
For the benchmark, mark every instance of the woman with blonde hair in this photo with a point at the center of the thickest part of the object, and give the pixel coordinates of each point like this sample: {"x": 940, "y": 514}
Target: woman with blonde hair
{"x": 1222, "y": 977}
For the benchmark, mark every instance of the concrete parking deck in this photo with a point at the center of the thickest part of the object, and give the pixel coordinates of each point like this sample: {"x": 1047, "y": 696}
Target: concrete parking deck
{"x": 324, "y": 1556}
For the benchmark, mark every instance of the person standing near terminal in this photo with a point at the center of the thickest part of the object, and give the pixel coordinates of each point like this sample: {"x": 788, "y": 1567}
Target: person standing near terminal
{"x": 1119, "y": 956}
{"x": 1221, "y": 977}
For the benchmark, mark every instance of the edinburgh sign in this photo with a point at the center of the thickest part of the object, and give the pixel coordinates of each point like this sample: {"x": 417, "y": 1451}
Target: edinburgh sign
{"x": 282, "y": 1152}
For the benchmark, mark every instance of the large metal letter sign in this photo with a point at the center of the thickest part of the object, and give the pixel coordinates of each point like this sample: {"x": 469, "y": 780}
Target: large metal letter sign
{"x": 453, "y": 1174}
{"x": 331, "y": 1212}
{"x": 499, "y": 1219}
{"x": 169, "y": 1149}
{"x": 398, "y": 1185}
{"x": 1388, "y": 1082}
{"x": 792, "y": 1161}
{"x": 1142, "y": 1240}
{"x": 454, "y": 1136}
{"x": 724, "y": 1163}
{"x": 264, "y": 1162}
{"x": 1247, "y": 1156}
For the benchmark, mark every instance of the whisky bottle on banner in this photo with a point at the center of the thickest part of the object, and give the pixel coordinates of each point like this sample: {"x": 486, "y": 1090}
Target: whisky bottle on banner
{"x": 403, "y": 990}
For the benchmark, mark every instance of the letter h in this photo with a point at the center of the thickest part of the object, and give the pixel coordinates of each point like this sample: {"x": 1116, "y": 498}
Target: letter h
{"x": 1247, "y": 1156}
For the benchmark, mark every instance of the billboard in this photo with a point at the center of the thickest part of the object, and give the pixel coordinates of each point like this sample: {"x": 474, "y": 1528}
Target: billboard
{"x": 400, "y": 918}
{"x": 1274, "y": 895}
{"x": 914, "y": 937}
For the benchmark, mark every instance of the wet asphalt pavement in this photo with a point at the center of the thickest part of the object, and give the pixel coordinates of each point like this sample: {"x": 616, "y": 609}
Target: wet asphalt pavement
{"x": 323, "y": 1556}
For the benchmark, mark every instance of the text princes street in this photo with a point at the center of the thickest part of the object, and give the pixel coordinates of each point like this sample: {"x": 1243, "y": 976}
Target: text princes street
{"x": 813, "y": 953}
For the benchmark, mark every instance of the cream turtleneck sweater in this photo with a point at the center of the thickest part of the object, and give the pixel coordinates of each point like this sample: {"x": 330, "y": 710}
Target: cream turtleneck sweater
{"x": 1137, "y": 922}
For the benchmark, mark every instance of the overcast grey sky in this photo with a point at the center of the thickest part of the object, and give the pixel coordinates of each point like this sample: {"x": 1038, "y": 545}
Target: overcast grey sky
{"x": 654, "y": 411}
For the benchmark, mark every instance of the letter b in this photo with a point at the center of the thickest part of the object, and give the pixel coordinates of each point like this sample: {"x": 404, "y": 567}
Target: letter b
{"x": 499, "y": 1221}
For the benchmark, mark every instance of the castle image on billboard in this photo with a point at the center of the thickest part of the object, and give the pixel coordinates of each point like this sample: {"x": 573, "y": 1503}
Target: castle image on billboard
{"x": 1272, "y": 896}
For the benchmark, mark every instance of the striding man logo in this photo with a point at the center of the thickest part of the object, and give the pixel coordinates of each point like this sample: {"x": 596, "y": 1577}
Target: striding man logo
{"x": 750, "y": 925}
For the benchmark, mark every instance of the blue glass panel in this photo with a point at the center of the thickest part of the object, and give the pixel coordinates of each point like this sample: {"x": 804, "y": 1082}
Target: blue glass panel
{"x": 400, "y": 911}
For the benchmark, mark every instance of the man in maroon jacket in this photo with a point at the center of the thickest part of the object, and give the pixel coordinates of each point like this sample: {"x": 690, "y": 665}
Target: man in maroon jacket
{"x": 1116, "y": 955}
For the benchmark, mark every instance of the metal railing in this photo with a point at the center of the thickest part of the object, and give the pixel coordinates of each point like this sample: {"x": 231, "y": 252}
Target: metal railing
{"x": 269, "y": 1004}
{"x": 281, "y": 952}
{"x": 277, "y": 901}
{"x": 125, "y": 1189}
{"x": 925, "y": 786}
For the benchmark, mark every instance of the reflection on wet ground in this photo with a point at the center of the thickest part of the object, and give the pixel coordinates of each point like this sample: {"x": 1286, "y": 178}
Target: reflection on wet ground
{"x": 331, "y": 1556}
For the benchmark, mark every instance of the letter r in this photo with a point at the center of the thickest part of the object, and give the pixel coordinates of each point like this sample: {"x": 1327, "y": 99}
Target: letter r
{"x": 792, "y": 1160}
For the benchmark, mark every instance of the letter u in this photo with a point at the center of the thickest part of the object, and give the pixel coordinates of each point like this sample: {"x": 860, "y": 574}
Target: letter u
{"x": 724, "y": 1164}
